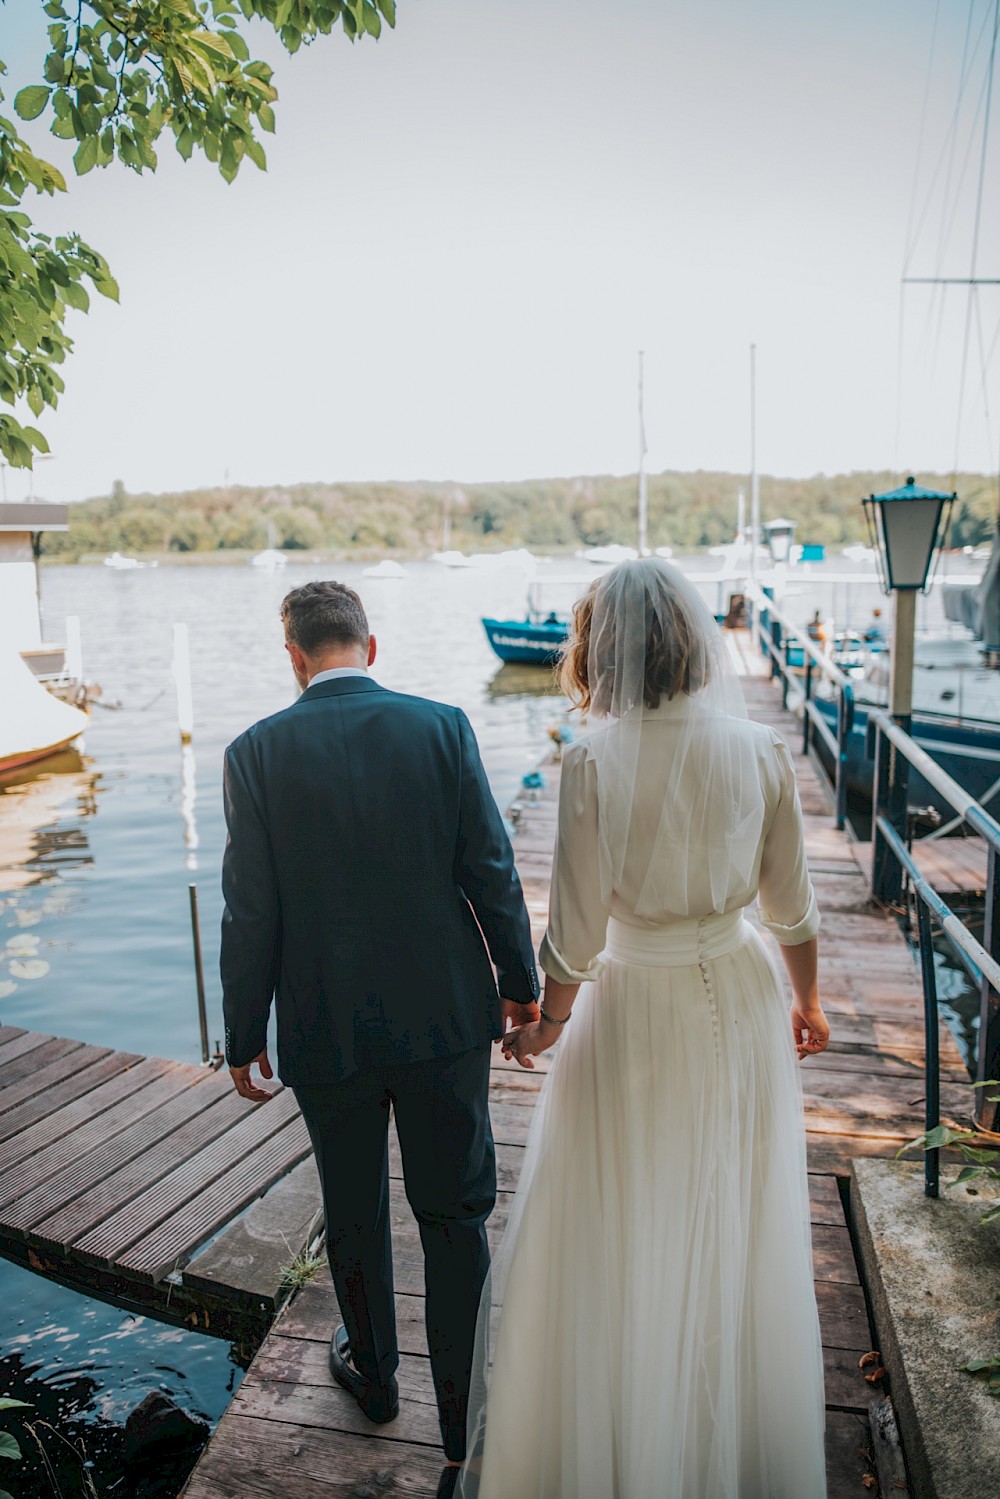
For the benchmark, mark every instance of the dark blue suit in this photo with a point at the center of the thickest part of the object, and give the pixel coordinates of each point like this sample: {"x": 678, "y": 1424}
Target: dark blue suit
{"x": 368, "y": 882}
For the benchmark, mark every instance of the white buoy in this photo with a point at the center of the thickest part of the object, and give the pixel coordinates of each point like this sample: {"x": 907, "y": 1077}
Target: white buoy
{"x": 181, "y": 668}
{"x": 74, "y": 649}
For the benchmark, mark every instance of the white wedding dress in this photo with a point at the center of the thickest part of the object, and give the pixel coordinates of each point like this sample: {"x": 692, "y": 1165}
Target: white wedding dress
{"x": 649, "y": 1330}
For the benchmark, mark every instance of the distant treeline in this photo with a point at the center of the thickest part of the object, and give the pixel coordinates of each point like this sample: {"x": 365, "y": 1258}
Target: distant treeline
{"x": 685, "y": 511}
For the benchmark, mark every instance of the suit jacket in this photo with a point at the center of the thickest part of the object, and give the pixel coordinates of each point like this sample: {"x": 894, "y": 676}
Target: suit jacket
{"x": 368, "y": 880}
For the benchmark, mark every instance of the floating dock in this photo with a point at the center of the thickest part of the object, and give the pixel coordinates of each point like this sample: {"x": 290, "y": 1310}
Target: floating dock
{"x": 117, "y": 1170}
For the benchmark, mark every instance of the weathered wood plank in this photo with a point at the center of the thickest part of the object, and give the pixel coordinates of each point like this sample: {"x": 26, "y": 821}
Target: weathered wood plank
{"x": 41, "y": 1087}
{"x": 109, "y": 1242}
{"x": 247, "y": 1262}
{"x": 77, "y": 1163}
{"x": 171, "y": 1242}
{"x": 258, "y": 1456}
{"x": 33, "y": 1058}
{"x": 130, "y": 1074}
{"x": 72, "y": 1223}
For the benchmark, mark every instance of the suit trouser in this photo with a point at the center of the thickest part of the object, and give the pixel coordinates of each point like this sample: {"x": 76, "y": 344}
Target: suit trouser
{"x": 449, "y": 1173}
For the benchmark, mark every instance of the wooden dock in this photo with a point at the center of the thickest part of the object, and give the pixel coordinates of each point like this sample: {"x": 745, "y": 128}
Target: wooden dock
{"x": 116, "y": 1170}
{"x": 291, "y": 1433}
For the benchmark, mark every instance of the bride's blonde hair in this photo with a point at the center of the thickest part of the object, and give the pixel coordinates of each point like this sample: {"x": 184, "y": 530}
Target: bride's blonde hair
{"x": 675, "y": 661}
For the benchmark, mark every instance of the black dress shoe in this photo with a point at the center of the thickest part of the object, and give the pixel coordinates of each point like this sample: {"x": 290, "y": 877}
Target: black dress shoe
{"x": 379, "y": 1402}
{"x": 448, "y": 1482}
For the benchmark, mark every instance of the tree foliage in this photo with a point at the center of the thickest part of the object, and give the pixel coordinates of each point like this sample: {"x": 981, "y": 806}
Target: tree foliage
{"x": 118, "y": 75}
{"x": 686, "y": 511}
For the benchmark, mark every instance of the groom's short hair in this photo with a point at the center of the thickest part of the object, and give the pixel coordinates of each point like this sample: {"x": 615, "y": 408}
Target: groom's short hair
{"x": 324, "y": 613}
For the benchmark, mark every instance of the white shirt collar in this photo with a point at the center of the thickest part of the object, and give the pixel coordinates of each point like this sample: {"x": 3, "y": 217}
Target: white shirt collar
{"x": 334, "y": 672}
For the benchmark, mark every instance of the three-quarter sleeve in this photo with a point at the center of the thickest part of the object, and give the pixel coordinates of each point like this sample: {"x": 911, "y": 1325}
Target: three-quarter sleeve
{"x": 787, "y": 902}
{"x": 578, "y": 918}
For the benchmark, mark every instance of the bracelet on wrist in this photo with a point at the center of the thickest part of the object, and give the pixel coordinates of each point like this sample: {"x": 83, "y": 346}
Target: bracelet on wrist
{"x": 551, "y": 1018}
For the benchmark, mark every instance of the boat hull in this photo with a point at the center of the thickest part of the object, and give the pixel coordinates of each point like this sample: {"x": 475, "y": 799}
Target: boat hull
{"x": 524, "y": 643}
{"x": 968, "y": 752}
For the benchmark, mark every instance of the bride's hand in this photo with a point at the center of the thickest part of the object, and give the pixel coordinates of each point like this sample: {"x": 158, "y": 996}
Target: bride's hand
{"x": 523, "y": 1042}
{"x": 810, "y": 1030}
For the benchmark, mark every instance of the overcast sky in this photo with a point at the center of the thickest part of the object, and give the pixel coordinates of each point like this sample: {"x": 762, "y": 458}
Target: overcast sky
{"x": 469, "y": 229}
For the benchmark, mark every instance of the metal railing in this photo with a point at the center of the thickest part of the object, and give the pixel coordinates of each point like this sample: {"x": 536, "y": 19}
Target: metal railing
{"x": 778, "y": 637}
{"x": 893, "y": 867}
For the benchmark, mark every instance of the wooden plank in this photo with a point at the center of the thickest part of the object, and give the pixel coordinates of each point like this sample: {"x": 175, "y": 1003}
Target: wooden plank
{"x": 10, "y": 1033}
{"x": 76, "y": 1163}
{"x": 253, "y": 1458}
{"x": 135, "y": 1074}
{"x": 246, "y": 1263}
{"x": 85, "y": 1214}
{"x": 41, "y": 1085}
{"x": 174, "y": 1240}
{"x": 41, "y": 1105}
{"x": 17, "y": 1045}
{"x": 137, "y": 1219}
{"x": 848, "y": 1456}
{"x": 34, "y": 1058}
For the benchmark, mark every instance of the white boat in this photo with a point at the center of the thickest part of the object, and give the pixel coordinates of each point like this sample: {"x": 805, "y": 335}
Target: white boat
{"x": 386, "y": 569}
{"x": 451, "y": 559}
{"x": 612, "y": 554}
{"x": 34, "y": 724}
{"x": 122, "y": 564}
{"x": 269, "y": 560}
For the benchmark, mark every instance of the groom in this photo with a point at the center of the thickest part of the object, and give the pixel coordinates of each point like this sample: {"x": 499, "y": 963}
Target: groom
{"x": 368, "y": 882}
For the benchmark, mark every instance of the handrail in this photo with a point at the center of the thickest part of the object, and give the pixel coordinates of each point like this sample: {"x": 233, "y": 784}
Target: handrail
{"x": 955, "y": 795}
{"x": 829, "y": 668}
{"x": 775, "y": 632}
{"x": 893, "y": 864}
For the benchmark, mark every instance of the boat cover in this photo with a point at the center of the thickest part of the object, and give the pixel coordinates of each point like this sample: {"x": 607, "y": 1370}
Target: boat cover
{"x": 979, "y": 608}
{"x": 32, "y": 720}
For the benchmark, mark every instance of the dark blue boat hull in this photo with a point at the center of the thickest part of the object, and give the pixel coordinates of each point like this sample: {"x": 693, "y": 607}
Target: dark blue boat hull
{"x": 527, "y": 644}
{"x": 969, "y": 753}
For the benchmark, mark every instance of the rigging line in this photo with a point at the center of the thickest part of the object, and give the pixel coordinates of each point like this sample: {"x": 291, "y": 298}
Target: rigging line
{"x": 951, "y": 140}
{"x": 910, "y": 242}
{"x": 950, "y": 210}
{"x": 972, "y": 299}
{"x": 984, "y": 371}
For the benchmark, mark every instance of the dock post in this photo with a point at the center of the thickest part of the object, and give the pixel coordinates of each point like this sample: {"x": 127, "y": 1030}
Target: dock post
{"x": 807, "y": 689}
{"x": 988, "y": 1050}
{"x": 199, "y": 973}
{"x": 888, "y": 801}
{"x": 932, "y": 1068}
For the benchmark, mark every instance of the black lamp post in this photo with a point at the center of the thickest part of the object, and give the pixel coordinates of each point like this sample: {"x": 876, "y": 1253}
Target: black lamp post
{"x": 907, "y": 527}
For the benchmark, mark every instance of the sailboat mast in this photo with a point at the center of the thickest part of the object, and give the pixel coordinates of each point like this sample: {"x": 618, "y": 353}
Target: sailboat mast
{"x": 754, "y": 484}
{"x": 643, "y": 498}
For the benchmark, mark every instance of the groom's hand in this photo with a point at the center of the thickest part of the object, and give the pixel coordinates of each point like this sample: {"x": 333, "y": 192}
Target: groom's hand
{"x": 242, "y": 1082}
{"x": 512, "y": 1014}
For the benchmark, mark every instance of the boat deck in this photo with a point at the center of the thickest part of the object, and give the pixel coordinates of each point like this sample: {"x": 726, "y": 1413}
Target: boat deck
{"x": 291, "y": 1433}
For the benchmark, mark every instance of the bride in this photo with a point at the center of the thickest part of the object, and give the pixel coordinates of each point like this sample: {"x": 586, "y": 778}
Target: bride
{"x": 649, "y": 1329}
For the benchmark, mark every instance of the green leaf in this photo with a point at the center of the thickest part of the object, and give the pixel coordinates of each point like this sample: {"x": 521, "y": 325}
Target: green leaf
{"x": 106, "y": 285}
{"x": 265, "y": 115}
{"x": 36, "y": 401}
{"x": 7, "y": 1403}
{"x": 255, "y": 151}
{"x": 36, "y": 439}
{"x": 76, "y": 296}
{"x": 29, "y": 102}
{"x": 9, "y": 1447}
{"x": 86, "y": 155}
{"x": 388, "y": 9}
{"x": 977, "y": 1365}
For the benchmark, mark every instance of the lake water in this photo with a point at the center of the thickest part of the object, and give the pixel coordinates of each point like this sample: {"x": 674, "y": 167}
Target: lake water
{"x": 96, "y": 859}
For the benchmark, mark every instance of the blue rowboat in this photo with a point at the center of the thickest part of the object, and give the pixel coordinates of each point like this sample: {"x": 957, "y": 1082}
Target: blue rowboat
{"x": 527, "y": 642}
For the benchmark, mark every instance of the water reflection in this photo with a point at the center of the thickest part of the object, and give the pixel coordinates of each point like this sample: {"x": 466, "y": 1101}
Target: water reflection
{"x": 513, "y": 680}
{"x": 41, "y": 834}
{"x": 189, "y": 796}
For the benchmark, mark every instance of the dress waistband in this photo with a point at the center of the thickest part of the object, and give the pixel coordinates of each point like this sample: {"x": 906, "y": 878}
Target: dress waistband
{"x": 680, "y": 943}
